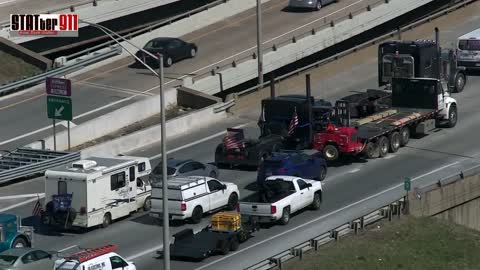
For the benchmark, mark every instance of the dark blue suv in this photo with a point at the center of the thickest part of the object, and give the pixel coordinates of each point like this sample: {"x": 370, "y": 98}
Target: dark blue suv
{"x": 307, "y": 164}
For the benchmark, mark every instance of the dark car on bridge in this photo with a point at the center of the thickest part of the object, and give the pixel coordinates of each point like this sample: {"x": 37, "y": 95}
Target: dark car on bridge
{"x": 307, "y": 164}
{"x": 172, "y": 49}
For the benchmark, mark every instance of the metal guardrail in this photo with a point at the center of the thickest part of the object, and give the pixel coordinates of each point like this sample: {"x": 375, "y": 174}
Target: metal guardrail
{"x": 224, "y": 106}
{"x": 24, "y": 162}
{"x": 88, "y": 60}
{"x": 459, "y": 4}
{"x": 292, "y": 36}
{"x": 145, "y": 28}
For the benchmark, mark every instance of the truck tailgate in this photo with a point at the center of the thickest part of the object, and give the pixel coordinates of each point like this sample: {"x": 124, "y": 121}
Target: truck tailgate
{"x": 174, "y": 206}
{"x": 255, "y": 209}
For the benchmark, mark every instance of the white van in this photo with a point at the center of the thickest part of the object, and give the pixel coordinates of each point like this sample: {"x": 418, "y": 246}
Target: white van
{"x": 102, "y": 258}
{"x": 468, "y": 55}
{"x": 100, "y": 190}
{"x": 191, "y": 196}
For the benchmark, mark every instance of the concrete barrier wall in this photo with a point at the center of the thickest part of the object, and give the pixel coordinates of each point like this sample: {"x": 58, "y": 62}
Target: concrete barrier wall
{"x": 26, "y": 55}
{"x": 180, "y": 28}
{"x": 175, "y": 127}
{"x": 307, "y": 46}
{"x": 110, "y": 122}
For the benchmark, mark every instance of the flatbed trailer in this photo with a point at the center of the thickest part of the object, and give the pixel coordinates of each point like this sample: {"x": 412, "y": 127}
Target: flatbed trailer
{"x": 419, "y": 106}
{"x": 224, "y": 235}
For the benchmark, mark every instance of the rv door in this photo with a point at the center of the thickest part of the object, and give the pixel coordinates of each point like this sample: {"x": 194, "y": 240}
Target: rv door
{"x": 132, "y": 183}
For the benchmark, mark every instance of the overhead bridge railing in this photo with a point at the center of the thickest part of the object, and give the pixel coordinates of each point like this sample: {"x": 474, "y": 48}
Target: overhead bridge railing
{"x": 40, "y": 78}
{"x": 23, "y": 162}
{"x": 311, "y": 28}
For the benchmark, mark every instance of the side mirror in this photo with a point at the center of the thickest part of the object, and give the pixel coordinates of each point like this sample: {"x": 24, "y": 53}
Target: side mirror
{"x": 309, "y": 185}
{"x": 224, "y": 186}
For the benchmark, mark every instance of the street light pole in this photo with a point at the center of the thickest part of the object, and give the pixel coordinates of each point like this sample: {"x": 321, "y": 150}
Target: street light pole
{"x": 166, "y": 233}
{"x": 259, "y": 44}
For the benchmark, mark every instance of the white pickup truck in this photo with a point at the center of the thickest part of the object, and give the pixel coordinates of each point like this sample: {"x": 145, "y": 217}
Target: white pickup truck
{"x": 280, "y": 197}
{"x": 191, "y": 196}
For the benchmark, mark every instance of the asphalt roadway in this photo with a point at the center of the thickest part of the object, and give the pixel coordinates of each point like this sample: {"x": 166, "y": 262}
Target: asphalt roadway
{"x": 116, "y": 85}
{"x": 139, "y": 236}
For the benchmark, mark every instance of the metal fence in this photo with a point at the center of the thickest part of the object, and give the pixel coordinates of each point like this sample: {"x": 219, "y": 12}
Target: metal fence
{"x": 24, "y": 162}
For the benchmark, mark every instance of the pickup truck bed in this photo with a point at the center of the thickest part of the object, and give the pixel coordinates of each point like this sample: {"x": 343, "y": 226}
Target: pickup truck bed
{"x": 266, "y": 196}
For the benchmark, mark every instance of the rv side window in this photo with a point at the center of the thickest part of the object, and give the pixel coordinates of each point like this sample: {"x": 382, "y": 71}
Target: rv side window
{"x": 117, "y": 181}
{"x": 141, "y": 167}
{"x": 131, "y": 173}
{"x": 62, "y": 187}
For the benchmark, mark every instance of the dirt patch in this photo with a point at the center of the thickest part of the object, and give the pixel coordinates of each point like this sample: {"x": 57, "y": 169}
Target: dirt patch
{"x": 172, "y": 112}
{"x": 408, "y": 243}
{"x": 14, "y": 68}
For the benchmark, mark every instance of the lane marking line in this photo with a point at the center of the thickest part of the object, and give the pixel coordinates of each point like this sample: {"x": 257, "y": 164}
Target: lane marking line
{"x": 67, "y": 248}
{"x": 114, "y": 88}
{"x": 21, "y": 203}
{"x": 321, "y": 217}
{"x": 19, "y": 196}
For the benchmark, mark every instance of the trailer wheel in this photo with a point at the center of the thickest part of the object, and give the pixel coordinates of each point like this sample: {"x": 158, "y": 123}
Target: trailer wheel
{"x": 107, "y": 220}
{"x": 383, "y": 146}
{"x": 452, "y": 116}
{"x": 460, "y": 81}
{"x": 223, "y": 246}
{"x": 234, "y": 244}
{"x": 276, "y": 147}
{"x": 404, "y": 136}
{"x": 19, "y": 243}
{"x": 147, "y": 204}
{"x": 285, "y": 216}
{"x": 330, "y": 152}
{"x": 371, "y": 150}
{"x": 394, "y": 141}
{"x": 197, "y": 215}
{"x": 242, "y": 236}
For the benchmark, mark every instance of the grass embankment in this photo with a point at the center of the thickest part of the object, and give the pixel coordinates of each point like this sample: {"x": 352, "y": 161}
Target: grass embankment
{"x": 13, "y": 68}
{"x": 408, "y": 243}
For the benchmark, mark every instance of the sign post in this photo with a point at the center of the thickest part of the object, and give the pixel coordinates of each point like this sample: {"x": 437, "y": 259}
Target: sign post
{"x": 59, "y": 104}
{"x": 407, "y": 185}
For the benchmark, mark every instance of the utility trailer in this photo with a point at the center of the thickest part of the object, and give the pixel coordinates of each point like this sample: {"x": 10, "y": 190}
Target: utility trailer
{"x": 224, "y": 234}
{"x": 419, "y": 105}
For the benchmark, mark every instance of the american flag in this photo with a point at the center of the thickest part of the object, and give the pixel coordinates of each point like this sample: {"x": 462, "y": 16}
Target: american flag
{"x": 37, "y": 209}
{"x": 293, "y": 123}
{"x": 234, "y": 139}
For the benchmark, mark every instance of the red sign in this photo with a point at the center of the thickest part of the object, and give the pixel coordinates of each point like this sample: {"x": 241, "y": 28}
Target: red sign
{"x": 59, "y": 87}
{"x": 61, "y": 25}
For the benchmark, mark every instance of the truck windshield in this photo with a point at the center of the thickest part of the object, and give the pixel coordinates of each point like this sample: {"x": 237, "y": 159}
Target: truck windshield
{"x": 469, "y": 45}
{"x": 6, "y": 260}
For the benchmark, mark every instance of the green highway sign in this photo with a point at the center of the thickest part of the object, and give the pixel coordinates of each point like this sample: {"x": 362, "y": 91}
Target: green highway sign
{"x": 407, "y": 185}
{"x": 59, "y": 108}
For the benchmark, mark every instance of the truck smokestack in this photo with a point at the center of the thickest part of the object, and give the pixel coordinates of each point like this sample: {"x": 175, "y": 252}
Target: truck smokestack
{"x": 309, "y": 107}
{"x": 439, "y": 53}
{"x": 272, "y": 85}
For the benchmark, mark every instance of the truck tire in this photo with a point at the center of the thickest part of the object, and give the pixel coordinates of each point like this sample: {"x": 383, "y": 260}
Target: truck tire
{"x": 107, "y": 220}
{"x": 317, "y": 201}
{"x": 197, "y": 215}
{"x": 234, "y": 244}
{"x": 20, "y": 242}
{"x": 318, "y": 5}
{"x": 383, "y": 146}
{"x": 147, "y": 205}
{"x": 452, "y": 116}
{"x": 276, "y": 147}
{"x": 223, "y": 246}
{"x": 232, "y": 201}
{"x": 321, "y": 174}
{"x": 371, "y": 150}
{"x": 460, "y": 81}
{"x": 285, "y": 216}
{"x": 395, "y": 141}
{"x": 404, "y": 136}
{"x": 330, "y": 152}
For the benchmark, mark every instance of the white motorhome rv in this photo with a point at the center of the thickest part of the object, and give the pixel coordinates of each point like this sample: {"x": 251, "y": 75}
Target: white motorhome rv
{"x": 469, "y": 50}
{"x": 96, "y": 190}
